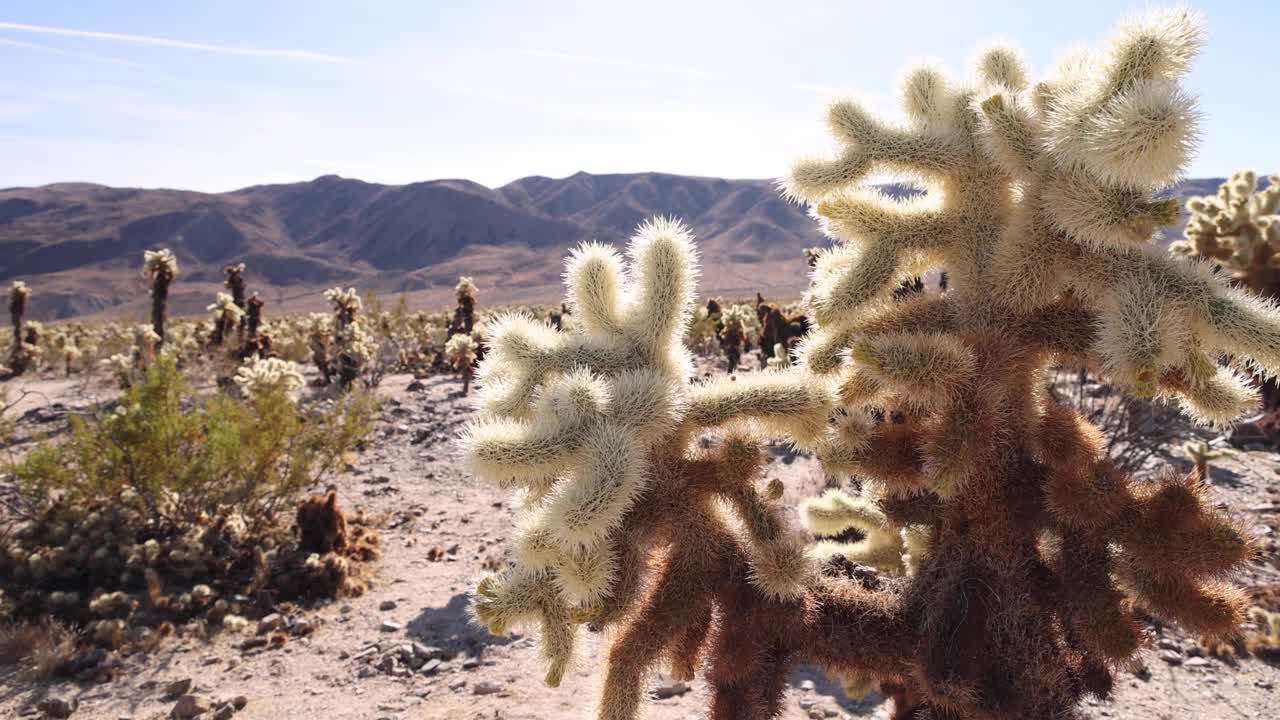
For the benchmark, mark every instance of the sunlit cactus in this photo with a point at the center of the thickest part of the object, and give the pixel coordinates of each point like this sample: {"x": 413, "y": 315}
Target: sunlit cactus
{"x": 236, "y": 286}
{"x": 464, "y": 315}
{"x": 735, "y": 335}
{"x": 260, "y": 376}
{"x": 460, "y": 350}
{"x": 1041, "y": 207}
{"x": 160, "y": 267}
{"x": 20, "y": 351}
{"x": 624, "y": 523}
{"x": 226, "y": 318}
{"x": 1239, "y": 228}
{"x": 354, "y": 348}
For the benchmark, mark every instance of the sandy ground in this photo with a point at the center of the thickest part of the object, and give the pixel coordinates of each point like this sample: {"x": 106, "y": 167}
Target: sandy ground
{"x": 411, "y": 477}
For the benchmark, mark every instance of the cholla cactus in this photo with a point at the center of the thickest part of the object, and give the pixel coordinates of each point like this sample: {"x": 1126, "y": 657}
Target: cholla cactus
{"x": 258, "y": 376}
{"x": 739, "y": 322}
{"x": 1041, "y": 209}
{"x": 354, "y": 348}
{"x": 1238, "y": 228}
{"x": 160, "y": 267}
{"x": 464, "y": 315}
{"x": 624, "y": 523}
{"x": 1200, "y": 454}
{"x": 461, "y": 350}
{"x": 236, "y": 285}
{"x": 20, "y": 356}
{"x": 226, "y": 317}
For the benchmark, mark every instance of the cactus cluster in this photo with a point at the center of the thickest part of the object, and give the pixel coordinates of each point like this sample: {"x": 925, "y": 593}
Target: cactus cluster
{"x": 353, "y": 347}
{"x": 1027, "y": 558}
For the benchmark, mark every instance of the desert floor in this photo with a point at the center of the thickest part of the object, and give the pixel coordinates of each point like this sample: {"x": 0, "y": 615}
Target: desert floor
{"x": 411, "y": 479}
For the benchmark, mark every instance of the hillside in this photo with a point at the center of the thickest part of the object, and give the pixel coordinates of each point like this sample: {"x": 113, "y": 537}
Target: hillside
{"x": 79, "y": 245}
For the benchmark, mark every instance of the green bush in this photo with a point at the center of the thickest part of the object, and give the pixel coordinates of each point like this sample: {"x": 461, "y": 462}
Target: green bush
{"x": 192, "y": 461}
{"x": 172, "y": 508}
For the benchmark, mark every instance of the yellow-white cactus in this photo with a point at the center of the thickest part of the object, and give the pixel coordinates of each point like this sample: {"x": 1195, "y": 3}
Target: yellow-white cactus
{"x": 1033, "y": 191}
{"x": 582, "y": 422}
{"x": 259, "y": 376}
{"x": 884, "y": 545}
{"x": 1239, "y": 228}
{"x": 162, "y": 261}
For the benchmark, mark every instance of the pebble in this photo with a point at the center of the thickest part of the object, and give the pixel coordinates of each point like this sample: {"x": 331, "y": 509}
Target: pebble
{"x": 807, "y": 686}
{"x": 668, "y": 688}
{"x": 389, "y": 626}
{"x": 177, "y": 688}
{"x": 1170, "y": 656}
{"x": 426, "y": 652}
{"x": 270, "y": 623}
{"x": 387, "y": 605}
{"x": 56, "y": 707}
{"x": 486, "y": 687}
{"x": 224, "y": 712}
{"x": 187, "y": 707}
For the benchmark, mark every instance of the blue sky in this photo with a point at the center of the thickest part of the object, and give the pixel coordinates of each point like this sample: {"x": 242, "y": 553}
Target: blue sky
{"x": 219, "y": 95}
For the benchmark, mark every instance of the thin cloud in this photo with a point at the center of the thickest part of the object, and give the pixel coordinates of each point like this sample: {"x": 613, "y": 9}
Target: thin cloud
{"x": 282, "y": 53}
{"x": 595, "y": 60}
{"x": 91, "y": 57}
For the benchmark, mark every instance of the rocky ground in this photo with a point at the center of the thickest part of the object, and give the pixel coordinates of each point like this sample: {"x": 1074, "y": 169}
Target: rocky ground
{"x": 406, "y": 649}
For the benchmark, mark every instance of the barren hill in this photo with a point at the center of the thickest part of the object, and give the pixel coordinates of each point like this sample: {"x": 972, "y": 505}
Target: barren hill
{"x": 79, "y": 245}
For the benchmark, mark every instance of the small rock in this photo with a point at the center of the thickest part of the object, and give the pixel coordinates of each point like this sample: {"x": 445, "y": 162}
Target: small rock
{"x": 806, "y": 703}
{"x": 426, "y": 652}
{"x": 486, "y": 687}
{"x": 389, "y": 626}
{"x": 270, "y": 623}
{"x": 187, "y": 707}
{"x": 56, "y": 707}
{"x": 471, "y": 663}
{"x": 667, "y": 688}
{"x": 177, "y": 687}
{"x": 1264, "y": 683}
{"x": 387, "y": 605}
{"x": 224, "y": 712}
{"x": 807, "y": 686}
{"x": 1165, "y": 643}
{"x": 1196, "y": 662}
{"x": 1170, "y": 656}
{"x": 366, "y": 672}
{"x": 239, "y": 701}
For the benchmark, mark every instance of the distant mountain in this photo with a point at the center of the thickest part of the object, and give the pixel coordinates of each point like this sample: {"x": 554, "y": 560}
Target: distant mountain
{"x": 80, "y": 246}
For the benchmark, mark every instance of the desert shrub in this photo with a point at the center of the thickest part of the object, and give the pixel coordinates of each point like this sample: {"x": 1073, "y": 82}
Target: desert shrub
{"x": 172, "y": 507}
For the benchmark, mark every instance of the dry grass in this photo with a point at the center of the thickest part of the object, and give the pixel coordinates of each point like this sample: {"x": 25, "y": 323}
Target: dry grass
{"x": 39, "y": 649}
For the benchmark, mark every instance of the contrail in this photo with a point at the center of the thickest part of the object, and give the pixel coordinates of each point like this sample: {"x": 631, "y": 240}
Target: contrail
{"x": 286, "y": 54}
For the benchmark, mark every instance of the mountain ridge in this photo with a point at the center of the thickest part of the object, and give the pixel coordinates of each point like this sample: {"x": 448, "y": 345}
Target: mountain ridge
{"x": 79, "y": 245}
